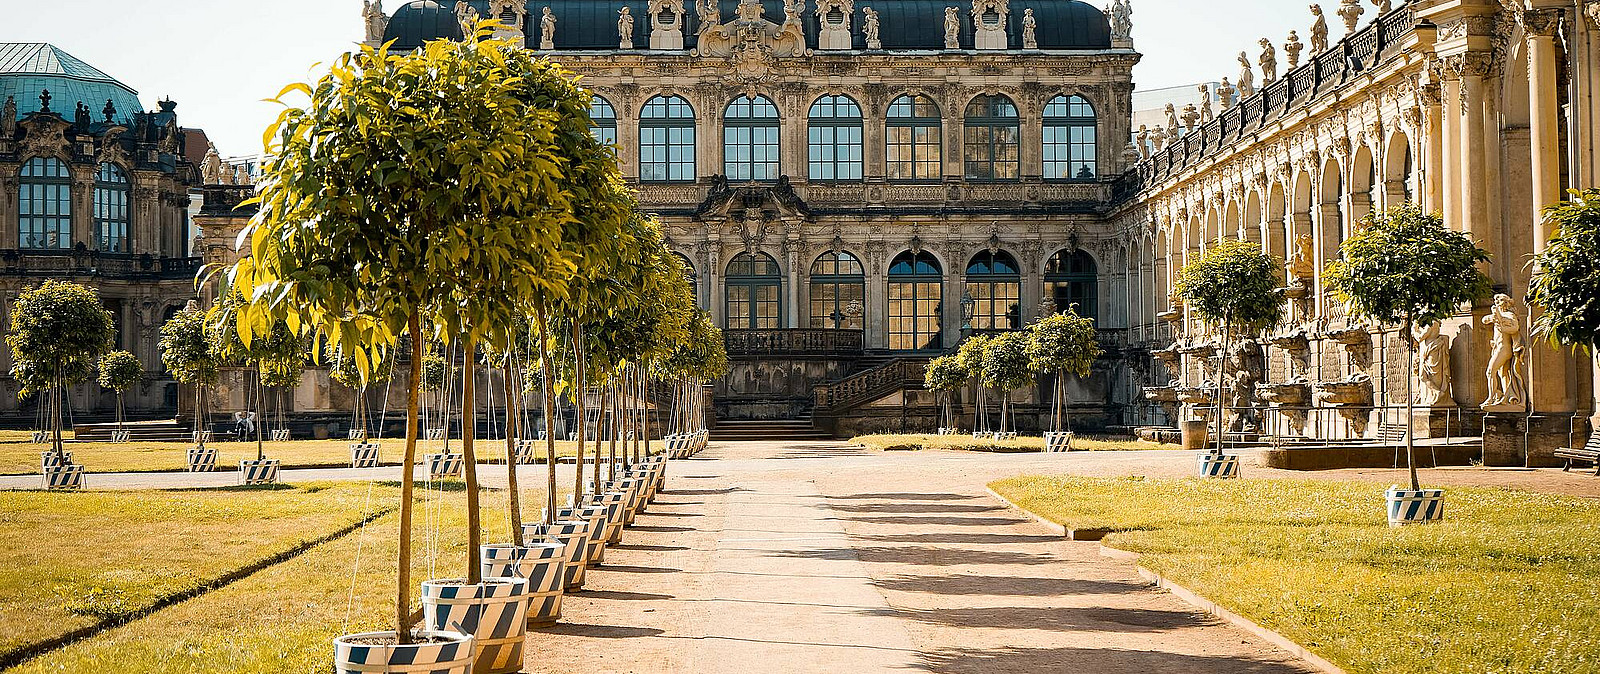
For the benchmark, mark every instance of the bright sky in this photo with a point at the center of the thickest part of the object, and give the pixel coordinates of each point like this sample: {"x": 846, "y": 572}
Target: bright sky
{"x": 219, "y": 58}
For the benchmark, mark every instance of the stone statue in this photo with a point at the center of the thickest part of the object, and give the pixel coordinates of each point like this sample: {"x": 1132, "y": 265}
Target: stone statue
{"x": 1268, "y": 62}
{"x": 870, "y": 27}
{"x": 1205, "y": 104}
{"x": 1030, "y": 25}
{"x": 709, "y": 12}
{"x": 547, "y": 30}
{"x": 225, "y": 174}
{"x": 1293, "y": 47}
{"x": 1172, "y": 123}
{"x": 625, "y": 28}
{"x": 169, "y": 138}
{"x": 1351, "y": 11}
{"x": 1507, "y": 356}
{"x": 1302, "y": 265}
{"x": 1121, "y": 12}
{"x": 8, "y": 119}
{"x": 376, "y": 21}
{"x": 1144, "y": 141}
{"x": 1319, "y": 31}
{"x": 1225, "y": 93}
{"x": 1190, "y": 116}
{"x": 1384, "y": 6}
{"x": 80, "y": 116}
{"x": 1247, "y": 77}
{"x": 241, "y": 175}
{"x": 1593, "y": 10}
{"x": 1432, "y": 364}
{"x": 952, "y": 28}
{"x": 211, "y": 167}
{"x": 467, "y": 16}
{"x": 1159, "y": 139}
{"x": 1245, "y": 366}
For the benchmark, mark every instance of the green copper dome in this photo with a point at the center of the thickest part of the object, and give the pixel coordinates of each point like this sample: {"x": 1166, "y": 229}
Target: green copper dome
{"x": 28, "y": 68}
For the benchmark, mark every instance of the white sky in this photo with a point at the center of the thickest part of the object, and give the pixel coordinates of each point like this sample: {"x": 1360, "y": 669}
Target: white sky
{"x": 219, "y": 58}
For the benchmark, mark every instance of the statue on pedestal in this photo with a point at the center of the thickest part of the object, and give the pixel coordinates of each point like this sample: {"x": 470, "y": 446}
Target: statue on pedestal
{"x": 1351, "y": 11}
{"x": 1191, "y": 115}
{"x": 1247, "y": 77}
{"x": 1121, "y": 16}
{"x": 1225, "y": 93}
{"x": 1268, "y": 62}
{"x": 1432, "y": 365}
{"x": 1319, "y": 31}
{"x": 952, "y": 28}
{"x": 1144, "y": 141}
{"x": 1205, "y": 104}
{"x": 1173, "y": 128}
{"x": 211, "y": 167}
{"x": 870, "y": 27}
{"x": 467, "y": 16}
{"x": 547, "y": 30}
{"x": 1507, "y": 356}
{"x": 377, "y": 22}
{"x": 1030, "y": 25}
{"x": 8, "y": 118}
{"x": 625, "y": 28}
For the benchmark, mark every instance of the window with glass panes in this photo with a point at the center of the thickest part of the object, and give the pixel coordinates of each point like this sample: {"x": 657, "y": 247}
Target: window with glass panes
{"x": 992, "y": 133}
{"x": 916, "y": 290}
{"x": 750, "y": 139}
{"x": 1070, "y": 279}
{"x": 666, "y": 140}
{"x": 688, "y": 274}
{"x": 995, "y": 286}
{"x": 44, "y": 199}
{"x": 838, "y": 291}
{"x": 913, "y": 138}
{"x": 834, "y": 139}
{"x": 111, "y": 208}
{"x": 754, "y": 289}
{"x": 604, "y": 118}
{"x": 1070, "y": 139}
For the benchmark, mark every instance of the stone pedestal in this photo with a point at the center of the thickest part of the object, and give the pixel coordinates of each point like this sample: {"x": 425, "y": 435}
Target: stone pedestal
{"x": 834, "y": 36}
{"x": 666, "y": 38}
{"x": 1445, "y": 422}
{"x": 989, "y": 37}
{"x": 1522, "y": 440}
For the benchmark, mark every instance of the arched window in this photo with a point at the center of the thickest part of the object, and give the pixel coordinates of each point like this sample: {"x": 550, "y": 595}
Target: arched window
{"x": 916, "y": 291}
{"x": 995, "y": 285}
{"x": 1408, "y": 183}
{"x": 913, "y": 138}
{"x": 604, "y": 118}
{"x": 45, "y": 204}
{"x": 750, "y": 139}
{"x": 1070, "y": 139}
{"x": 666, "y": 140}
{"x": 688, "y": 273}
{"x": 834, "y": 137}
{"x": 1070, "y": 279}
{"x": 991, "y": 140}
{"x": 838, "y": 291}
{"x": 754, "y": 291}
{"x": 111, "y": 208}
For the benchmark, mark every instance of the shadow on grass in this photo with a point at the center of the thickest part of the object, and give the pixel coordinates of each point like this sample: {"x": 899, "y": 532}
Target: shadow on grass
{"x": 445, "y": 486}
{"x": 1006, "y": 585}
{"x": 1098, "y": 660}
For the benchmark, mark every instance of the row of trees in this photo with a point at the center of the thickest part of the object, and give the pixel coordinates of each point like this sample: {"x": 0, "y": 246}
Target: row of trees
{"x": 1060, "y": 344}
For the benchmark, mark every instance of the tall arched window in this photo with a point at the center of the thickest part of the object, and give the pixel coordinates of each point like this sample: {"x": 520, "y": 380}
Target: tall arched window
{"x": 913, "y": 138}
{"x": 991, "y": 140}
{"x": 111, "y": 208}
{"x": 1070, "y": 278}
{"x": 666, "y": 140}
{"x": 750, "y": 139}
{"x": 838, "y": 291}
{"x": 45, "y": 204}
{"x": 754, "y": 291}
{"x": 995, "y": 285}
{"x": 1408, "y": 184}
{"x": 834, "y": 139}
{"x": 916, "y": 291}
{"x": 1070, "y": 139}
{"x": 688, "y": 273}
{"x": 604, "y": 118}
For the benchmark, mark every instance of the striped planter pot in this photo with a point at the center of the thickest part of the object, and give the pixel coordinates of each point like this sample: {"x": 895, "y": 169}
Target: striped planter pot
{"x": 494, "y": 612}
{"x": 1414, "y": 506}
{"x": 1058, "y": 441}
{"x": 365, "y": 454}
{"x": 527, "y": 452}
{"x": 201, "y": 459}
{"x": 69, "y": 476}
{"x": 1214, "y": 465}
{"x": 48, "y": 460}
{"x": 120, "y": 437}
{"x": 41, "y": 437}
{"x": 982, "y": 435}
{"x": 598, "y": 517}
{"x": 376, "y": 653}
{"x": 435, "y": 434}
{"x": 543, "y": 565}
{"x": 633, "y": 498}
{"x": 357, "y": 434}
{"x": 949, "y": 431}
{"x": 615, "y": 503}
{"x": 264, "y": 471}
{"x": 1009, "y": 435}
{"x": 200, "y": 437}
{"x": 280, "y": 435}
{"x": 444, "y": 465}
{"x": 673, "y": 444}
{"x": 572, "y": 533}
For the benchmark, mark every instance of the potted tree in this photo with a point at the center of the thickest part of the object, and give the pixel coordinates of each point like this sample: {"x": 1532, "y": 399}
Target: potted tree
{"x": 944, "y": 376}
{"x": 58, "y": 330}
{"x": 1235, "y": 285}
{"x": 1062, "y": 344}
{"x": 1565, "y": 279}
{"x": 119, "y": 371}
{"x": 1404, "y": 267}
{"x": 970, "y": 354}
{"x": 1006, "y": 369}
{"x": 274, "y": 356}
{"x": 190, "y": 354}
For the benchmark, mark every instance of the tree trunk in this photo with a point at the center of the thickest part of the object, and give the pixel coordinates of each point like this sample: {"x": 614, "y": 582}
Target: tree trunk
{"x": 1222, "y": 366}
{"x": 402, "y": 605}
{"x": 600, "y": 435}
{"x": 260, "y": 420}
{"x": 514, "y": 501}
{"x": 1411, "y": 371}
{"x": 549, "y": 422}
{"x": 469, "y": 460}
{"x": 578, "y": 404}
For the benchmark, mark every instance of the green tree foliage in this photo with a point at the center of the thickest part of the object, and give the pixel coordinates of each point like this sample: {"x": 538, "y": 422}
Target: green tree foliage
{"x": 1063, "y": 344}
{"x": 1405, "y": 267}
{"x": 119, "y": 371}
{"x": 1234, "y": 284}
{"x": 1566, "y": 276}
{"x": 1006, "y": 368}
{"x": 188, "y": 349}
{"x": 970, "y": 355}
{"x": 58, "y": 330}
{"x": 944, "y": 376}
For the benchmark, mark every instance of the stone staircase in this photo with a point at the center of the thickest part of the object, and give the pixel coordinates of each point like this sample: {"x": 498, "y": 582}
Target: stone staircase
{"x": 165, "y": 430}
{"x": 776, "y": 430}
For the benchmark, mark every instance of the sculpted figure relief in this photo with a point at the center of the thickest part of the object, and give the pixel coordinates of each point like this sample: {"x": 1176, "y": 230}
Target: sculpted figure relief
{"x": 952, "y": 28}
{"x": 1268, "y": 62}
{"x": 624, "y": 29}
{"x": 547, "y": 30}
{"x": 1121, "y": 12}
{"x": 1507, "y": 356}
{"x": 870, "y": 26}
{"x": 1293, "y": 47}
{"x": 1302, "y": 265}
{"x": 1030, "y": 25}
{"x": 1247, "y": 77}
{"x": 1225, "y": 93}
{"x": 1205, "y": 104}
{"x": 376, "y": 21}
{"x": 467, "y": 16}
{"x": 1319, "y": 31}
{"x": 1432, "y": 364}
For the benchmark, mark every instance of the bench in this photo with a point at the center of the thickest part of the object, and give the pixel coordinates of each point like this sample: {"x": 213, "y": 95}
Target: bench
{"x": 1588, "y": 453}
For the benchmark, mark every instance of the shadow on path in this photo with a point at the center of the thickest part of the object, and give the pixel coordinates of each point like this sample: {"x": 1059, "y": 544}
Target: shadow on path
{"x": 1097, "y": 660}
{"x": 999, "y": 586}
{"x": 919, "y": 555}
{"x": 1059, "y": 619}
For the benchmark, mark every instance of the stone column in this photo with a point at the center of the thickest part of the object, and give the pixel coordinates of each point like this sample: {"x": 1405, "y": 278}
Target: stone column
{"x": 1449, "y": 192}
{"x": 877, "y": 308}
{"x": 791, "y": 259}
{"x": 9, "y": 206}
{"x": 1549, "y": 387}
{"x": 1473, "y": 163}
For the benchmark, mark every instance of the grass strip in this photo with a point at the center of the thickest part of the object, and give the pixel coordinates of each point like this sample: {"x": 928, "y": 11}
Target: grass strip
{"x": 1505, "y": 584}
{"x": 22, "y": 458}
{"x": 916, "y": 441}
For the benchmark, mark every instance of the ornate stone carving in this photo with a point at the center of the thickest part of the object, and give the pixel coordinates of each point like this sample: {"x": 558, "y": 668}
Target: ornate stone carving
{"x": 1144, "y": 141}
{"x": 467, "y": 16}
{"x": 1292, "y": 47}
{"x": 46, "y": 136}
{"x": 1351, "y": 11}
{"x": 952, "y": 28}
{"x": 1319, "y": 31}
{"x": 1247, "y": 77}
{"x": 870, "y": 27}
{"x": 375, "y": 20}
{"x": 624, "y": 28}
{"x": 1384, "y": 6}
{"x": 1030, "y": 27}
{"x": 169, "y": 137}
{"x": 1172, "y": 123}
{"x": 989, "y": 23}
{"x": 1268, "y": 62}
{"x": 211, "y": 166}
{"x": 1191, "y": 115}
{"x": 1432, "y": 365}
{"x": 111, "y": 147}
{"x": 8, "y": 119}
{"x": 666, "y": 24}
{"x": 833, "y": 21}
{"x": 1507, "y": 357}
{"x": 547, "y": 29}
{"x": 752, "y": 44}
{"x": 1225, "y": 93}
{"x": 1120, "y": 15}
{"x": 1592, "y": 8}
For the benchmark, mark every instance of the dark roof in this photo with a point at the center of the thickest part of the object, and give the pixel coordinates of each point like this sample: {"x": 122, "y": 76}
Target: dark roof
{"x": 903, "y": 24}
{"x": 27, "y": 68}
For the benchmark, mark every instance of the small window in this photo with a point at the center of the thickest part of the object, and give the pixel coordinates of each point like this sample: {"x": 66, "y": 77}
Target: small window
{"x": 604, "y": 120}
{"x": 992, "y": 137}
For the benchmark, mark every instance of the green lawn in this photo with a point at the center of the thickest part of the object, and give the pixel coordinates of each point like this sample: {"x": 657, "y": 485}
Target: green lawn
{"x": 68, "y": 560}
{"x": 1509, "y": 582}
{"x": 284, "y": 618}
{"x": 1023, "y": 443}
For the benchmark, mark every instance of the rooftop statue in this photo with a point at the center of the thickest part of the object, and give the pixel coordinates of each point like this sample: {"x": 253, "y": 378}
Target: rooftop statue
{"x": 1293, "y": 47}
{"x": 1319, "y": 31}
{"x": 870, "y": 27}
{"x": 1268, "y": 62}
